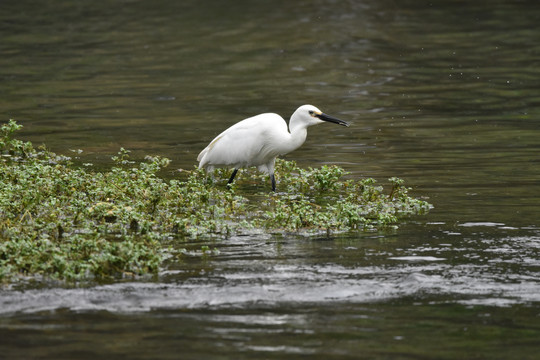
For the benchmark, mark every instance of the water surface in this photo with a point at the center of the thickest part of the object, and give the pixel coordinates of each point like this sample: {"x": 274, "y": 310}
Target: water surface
{"x": 444, "y": 94}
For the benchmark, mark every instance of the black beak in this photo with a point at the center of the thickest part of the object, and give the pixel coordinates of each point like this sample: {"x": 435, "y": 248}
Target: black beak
{"x": 332, "y": 119}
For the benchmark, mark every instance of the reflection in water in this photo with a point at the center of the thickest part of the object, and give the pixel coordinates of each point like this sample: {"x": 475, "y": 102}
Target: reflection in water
{"x": 441, "y": 94}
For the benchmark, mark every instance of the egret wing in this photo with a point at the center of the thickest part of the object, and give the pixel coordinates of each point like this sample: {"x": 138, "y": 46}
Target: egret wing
{"x": 244, "y": 144}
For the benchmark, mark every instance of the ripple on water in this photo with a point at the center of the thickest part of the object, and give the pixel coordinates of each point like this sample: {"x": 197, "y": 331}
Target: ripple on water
{"x": 246, "y": 272}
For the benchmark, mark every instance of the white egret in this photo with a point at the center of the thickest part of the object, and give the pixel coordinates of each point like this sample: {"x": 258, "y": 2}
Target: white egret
{"x": 258, "y": 140}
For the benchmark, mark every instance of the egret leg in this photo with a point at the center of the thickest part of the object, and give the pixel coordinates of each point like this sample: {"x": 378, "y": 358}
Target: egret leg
{"x": 231, "y": 179}
{"x": 273, "y": 182}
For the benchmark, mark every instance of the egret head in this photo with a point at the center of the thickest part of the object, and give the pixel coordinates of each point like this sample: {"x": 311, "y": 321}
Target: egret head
{"x": 310, "y": 115}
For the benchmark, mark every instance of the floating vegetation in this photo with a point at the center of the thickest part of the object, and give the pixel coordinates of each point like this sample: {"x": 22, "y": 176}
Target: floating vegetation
{"x": 61, "y": 221}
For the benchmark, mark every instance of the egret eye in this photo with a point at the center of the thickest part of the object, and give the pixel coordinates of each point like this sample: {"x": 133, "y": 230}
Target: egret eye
{"x": 312, "y": 113}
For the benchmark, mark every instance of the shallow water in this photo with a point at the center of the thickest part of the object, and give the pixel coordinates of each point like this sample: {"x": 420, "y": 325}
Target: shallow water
{"x": 444, "y": 95}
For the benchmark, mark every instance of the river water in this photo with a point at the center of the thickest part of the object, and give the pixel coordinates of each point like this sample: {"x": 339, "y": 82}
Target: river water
{"x": 444, "y": 94}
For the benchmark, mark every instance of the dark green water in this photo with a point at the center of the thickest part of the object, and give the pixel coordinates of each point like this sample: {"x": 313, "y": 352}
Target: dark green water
{"x": 444, "y": 94}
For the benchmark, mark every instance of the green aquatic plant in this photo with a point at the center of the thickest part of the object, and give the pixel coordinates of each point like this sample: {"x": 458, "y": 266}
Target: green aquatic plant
{"x": 321, "y": 200}
{"x": 59, "y": 220}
